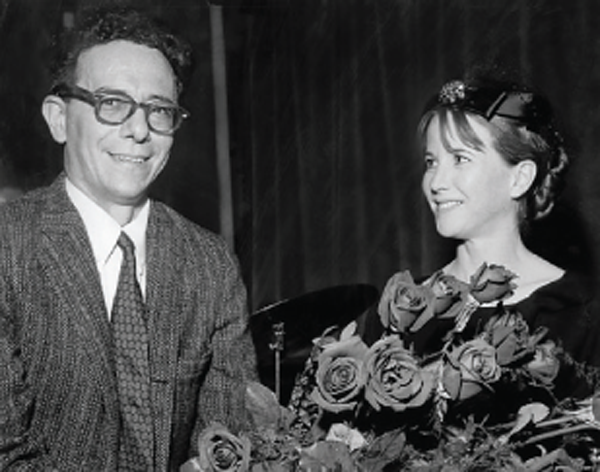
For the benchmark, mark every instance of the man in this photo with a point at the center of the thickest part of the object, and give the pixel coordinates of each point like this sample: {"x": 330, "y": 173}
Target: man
{"x": 100, "y": 371}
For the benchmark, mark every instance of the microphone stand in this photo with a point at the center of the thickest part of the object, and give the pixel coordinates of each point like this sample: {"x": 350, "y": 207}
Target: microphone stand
{"x": 278, "y": 331}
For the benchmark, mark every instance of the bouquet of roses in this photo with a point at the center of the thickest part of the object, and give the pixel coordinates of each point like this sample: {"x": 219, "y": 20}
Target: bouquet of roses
{"x": 369, "y": 408}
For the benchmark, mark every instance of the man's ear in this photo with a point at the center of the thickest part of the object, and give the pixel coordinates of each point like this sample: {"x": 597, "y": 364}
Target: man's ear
{"x": 523, "y": 175}
{"x": 55, "y": 114}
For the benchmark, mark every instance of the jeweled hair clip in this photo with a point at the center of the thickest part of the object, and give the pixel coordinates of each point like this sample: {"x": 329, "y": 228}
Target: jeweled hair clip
{"x": 452, "y": 92}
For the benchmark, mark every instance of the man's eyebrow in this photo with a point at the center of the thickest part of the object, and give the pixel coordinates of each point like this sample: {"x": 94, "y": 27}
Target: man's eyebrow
{"x": 161, "y": 98}
{"x": 110, "y": 91}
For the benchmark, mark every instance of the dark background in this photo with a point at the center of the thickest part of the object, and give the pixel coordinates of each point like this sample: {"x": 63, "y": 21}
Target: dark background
{"x": 324, "y": 97}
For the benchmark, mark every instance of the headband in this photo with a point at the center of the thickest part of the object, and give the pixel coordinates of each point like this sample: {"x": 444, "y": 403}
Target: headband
{"x": 525, "y": 107}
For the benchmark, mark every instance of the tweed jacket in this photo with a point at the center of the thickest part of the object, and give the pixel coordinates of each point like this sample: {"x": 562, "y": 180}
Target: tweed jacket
{"x": 58, "y": 394}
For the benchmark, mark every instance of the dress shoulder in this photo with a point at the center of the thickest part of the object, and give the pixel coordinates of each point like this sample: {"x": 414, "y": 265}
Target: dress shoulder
{"x": 565, "y": 308}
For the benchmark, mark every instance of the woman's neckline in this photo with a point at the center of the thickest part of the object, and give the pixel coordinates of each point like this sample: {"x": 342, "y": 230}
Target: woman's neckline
{"x": 529, "y": 294}
{"x": 526, "y": 293}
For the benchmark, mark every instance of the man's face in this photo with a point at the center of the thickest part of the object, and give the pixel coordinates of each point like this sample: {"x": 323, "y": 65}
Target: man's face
{"x": 115, "y": 164}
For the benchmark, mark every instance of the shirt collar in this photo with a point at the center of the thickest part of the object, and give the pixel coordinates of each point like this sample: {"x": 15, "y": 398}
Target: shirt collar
{"x": 103, "y": 230}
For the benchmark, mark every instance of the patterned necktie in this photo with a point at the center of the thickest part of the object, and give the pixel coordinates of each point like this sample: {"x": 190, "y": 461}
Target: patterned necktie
{"x": 133, "y": 374}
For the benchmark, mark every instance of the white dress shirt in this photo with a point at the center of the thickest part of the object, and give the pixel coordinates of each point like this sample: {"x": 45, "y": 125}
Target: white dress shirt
{"x": 103, "y": 232}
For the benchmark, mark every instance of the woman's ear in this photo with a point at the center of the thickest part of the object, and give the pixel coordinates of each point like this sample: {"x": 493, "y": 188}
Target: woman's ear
{"x": 54, "y": 111}
{"x": 523, "y": 176}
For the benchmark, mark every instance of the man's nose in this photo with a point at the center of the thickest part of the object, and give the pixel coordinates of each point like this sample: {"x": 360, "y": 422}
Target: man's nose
{"x": 136, "y": 126}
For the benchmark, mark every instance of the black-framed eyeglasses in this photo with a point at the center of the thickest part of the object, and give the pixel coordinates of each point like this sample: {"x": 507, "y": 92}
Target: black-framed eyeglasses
{"x": 114, "y": 108}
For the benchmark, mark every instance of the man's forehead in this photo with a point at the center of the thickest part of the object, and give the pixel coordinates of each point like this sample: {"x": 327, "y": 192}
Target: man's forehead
{"x": 127, "y": 66}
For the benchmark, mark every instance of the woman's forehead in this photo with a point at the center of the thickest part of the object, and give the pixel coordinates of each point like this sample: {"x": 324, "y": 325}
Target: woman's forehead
{"x": 456, "y": 129}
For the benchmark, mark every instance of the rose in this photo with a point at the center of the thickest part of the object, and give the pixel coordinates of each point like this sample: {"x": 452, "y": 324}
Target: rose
{"x": 508, "y": 333}
{"x": 469, "y": 368}
{"x": 393, "y": 377}
{"x": 220, "y": 451}
{"x": 545, "y": 364}
{"x": 450, "y": 295}
{"x": 339, "y": 375}
{"x": 491, "y": 283}
{"x": 403, "y": 302}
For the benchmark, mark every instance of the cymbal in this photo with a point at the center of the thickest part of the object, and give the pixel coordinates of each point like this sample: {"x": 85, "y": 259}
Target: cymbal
{"x": 306, "y": 317}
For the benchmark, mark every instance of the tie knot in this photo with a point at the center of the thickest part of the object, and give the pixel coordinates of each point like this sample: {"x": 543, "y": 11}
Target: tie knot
{"x": 126, "y": 244}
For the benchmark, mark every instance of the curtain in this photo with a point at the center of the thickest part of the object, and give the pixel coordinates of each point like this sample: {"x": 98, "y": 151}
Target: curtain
{"x": 326, "y": 97}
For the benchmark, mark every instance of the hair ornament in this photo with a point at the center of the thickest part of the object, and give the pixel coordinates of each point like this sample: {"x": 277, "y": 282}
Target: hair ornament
{"x": 452, "y": 92}
{"x": 491, "y": 100}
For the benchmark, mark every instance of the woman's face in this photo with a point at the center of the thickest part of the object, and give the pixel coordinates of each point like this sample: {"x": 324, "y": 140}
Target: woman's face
{"x": 468, "y": 190}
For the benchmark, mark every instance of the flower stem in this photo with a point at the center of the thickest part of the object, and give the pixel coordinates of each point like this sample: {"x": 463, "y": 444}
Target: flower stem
{"x": 552, "y": 434}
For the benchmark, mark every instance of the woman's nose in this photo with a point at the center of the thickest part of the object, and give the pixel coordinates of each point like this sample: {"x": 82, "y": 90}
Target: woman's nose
{"x": 438, "y": 180}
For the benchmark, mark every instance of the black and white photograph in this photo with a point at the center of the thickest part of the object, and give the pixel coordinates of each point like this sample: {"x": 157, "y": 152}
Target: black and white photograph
{"x": 299, "y": 235}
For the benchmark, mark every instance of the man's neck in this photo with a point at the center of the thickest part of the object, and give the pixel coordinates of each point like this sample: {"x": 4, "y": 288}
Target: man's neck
{"x": 123, "y": 214}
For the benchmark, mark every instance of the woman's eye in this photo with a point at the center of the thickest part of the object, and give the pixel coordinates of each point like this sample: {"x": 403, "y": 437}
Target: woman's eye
{"x": 460, "y": 158}
{"x": 430, "y": 162}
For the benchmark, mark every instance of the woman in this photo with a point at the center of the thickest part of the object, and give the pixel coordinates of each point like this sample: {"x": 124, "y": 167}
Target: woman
{"x": 495, "y": 163}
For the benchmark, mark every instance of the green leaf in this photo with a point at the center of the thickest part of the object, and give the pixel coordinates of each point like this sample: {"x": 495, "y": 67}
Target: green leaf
{"x": 264, "y": 408}
{"x": 384, "y": 450}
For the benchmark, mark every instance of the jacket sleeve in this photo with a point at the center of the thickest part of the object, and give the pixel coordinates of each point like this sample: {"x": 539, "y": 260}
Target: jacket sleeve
{"x": 19, "y": 450}
{"x": 233, "y": 363}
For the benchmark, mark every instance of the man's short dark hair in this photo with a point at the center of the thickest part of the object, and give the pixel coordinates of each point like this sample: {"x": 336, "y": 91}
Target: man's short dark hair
{"x": 111, "y": 23}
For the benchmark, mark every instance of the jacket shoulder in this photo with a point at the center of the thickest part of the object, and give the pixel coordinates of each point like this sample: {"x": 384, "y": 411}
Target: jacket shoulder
{"x": 190, "y": 234}
{"x": 22, "y": 215}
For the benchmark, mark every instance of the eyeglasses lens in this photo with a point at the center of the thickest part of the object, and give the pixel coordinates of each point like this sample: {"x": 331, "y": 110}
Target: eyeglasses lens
{"x": 163, "y": 118}
{"x": 116, "y": 110}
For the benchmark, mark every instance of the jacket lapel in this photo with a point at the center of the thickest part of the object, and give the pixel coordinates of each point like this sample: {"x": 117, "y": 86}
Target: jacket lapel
{"x": 66, "y": 257}
{"x": 163, "y": 300}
